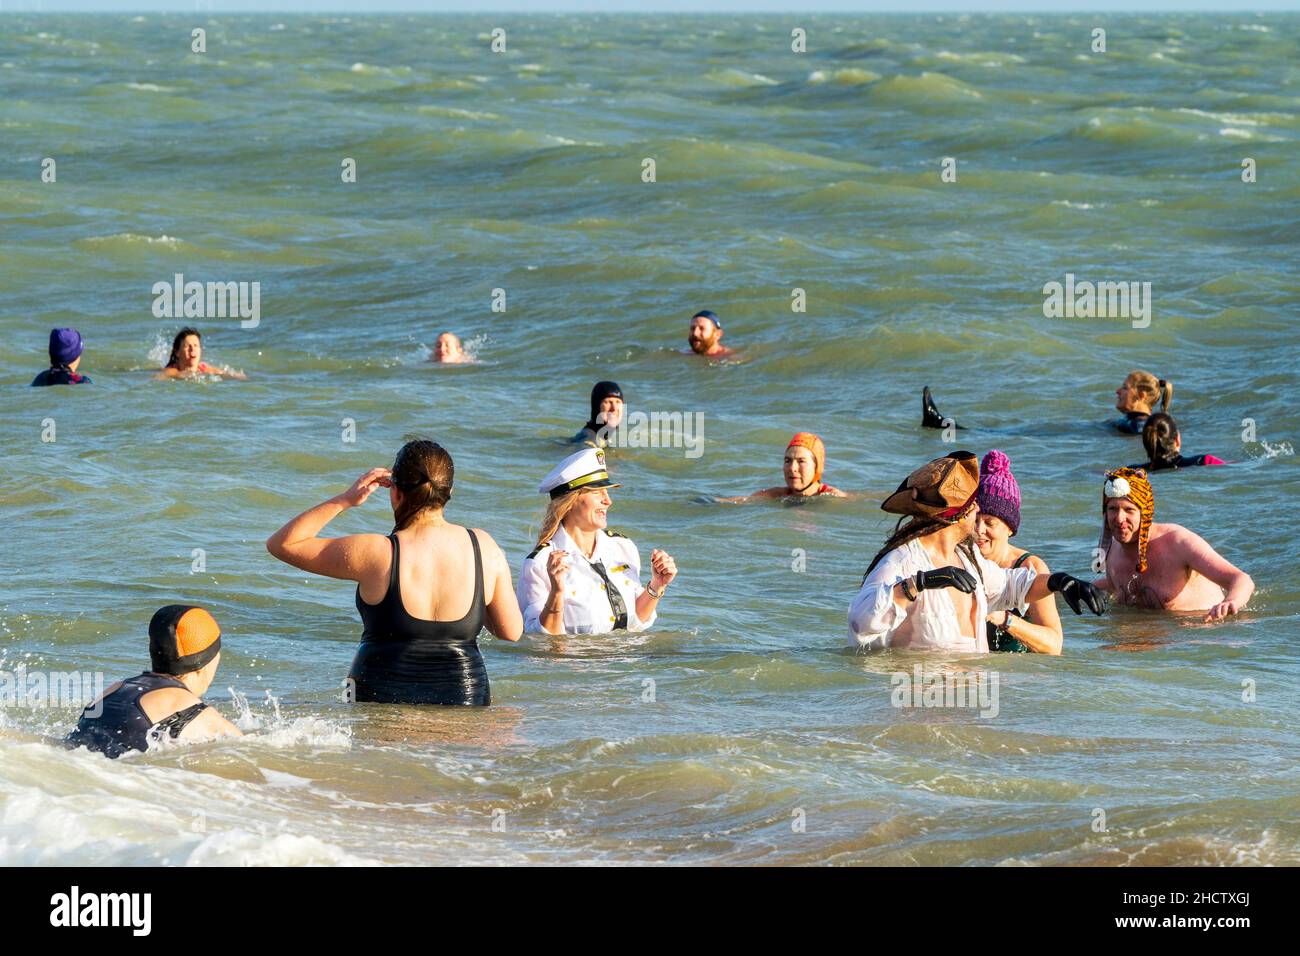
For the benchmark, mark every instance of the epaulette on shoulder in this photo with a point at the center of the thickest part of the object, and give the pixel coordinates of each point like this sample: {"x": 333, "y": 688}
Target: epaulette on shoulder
{"x": 541, "y": 547}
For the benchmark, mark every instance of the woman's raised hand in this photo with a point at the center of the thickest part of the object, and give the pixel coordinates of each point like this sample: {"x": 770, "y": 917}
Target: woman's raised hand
{"x": 364, "y": 486}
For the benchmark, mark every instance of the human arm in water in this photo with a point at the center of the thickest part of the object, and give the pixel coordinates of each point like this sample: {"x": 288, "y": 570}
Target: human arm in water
{"x": 203, "y": 369}
{"x": 1040, "y": 628}
{"x": 351, "y": 557}
{"x": 1203, "y": 559}
{"x": 783, "y": 492}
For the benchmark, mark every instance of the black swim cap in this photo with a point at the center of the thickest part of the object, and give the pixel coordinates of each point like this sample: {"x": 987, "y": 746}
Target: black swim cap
{"x": 705, "y": 313}
{"x": 599, "y": 392}
{"x": 182, "y": 639}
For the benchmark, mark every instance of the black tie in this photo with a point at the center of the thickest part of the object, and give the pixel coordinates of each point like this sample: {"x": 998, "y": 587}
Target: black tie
{"x": 615, "y": 597}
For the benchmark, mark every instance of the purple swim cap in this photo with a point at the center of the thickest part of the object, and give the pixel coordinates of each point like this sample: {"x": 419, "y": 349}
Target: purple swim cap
{"x": 65, "y": 346}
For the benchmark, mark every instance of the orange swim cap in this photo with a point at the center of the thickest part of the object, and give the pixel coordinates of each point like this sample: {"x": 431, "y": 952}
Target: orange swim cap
{"x": 182, "y": 639}
{"x": 813, "y": 444}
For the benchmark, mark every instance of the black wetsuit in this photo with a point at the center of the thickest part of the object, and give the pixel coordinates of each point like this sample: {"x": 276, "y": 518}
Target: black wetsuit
{"x": 1132, "y": 423}
{"x": 1178, "y": 461}
{"x": 408, "y": 660}
{"x": 60, "y": 375}
{"x": 123, "y": 725}
{"x": 1005, "y": 642}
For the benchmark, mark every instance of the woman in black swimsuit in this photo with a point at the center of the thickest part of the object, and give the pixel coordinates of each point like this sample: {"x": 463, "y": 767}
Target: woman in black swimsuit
{"x": 424, "y": 591}
{"x": 185, "y": 650}
{"x": 1037, "y": 626}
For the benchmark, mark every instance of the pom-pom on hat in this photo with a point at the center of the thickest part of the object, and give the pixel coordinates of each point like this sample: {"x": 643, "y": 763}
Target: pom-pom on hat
{"x": 999, "y": 492}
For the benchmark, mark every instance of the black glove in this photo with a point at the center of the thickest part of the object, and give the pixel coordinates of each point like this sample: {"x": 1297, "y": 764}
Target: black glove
{"x": 949, "y": 577}
{"x": 1076, "y": 592}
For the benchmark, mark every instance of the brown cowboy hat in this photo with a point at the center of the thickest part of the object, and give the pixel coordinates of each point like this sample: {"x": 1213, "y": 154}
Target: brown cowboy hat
{"x": 938, "y": 489}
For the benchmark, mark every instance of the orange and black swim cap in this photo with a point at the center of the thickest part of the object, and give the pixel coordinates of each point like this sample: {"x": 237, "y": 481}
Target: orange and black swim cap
{"x": 182, "y": 639}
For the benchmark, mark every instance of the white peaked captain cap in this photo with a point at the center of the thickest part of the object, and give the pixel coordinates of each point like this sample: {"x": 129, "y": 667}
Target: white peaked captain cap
{"x": 582, "y": 469}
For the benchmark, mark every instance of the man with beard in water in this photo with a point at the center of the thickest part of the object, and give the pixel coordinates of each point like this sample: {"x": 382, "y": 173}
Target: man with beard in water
{"x": 1162, "y": 566}
{"x": 706, "y": 335}
{"x": 929, "y": 588}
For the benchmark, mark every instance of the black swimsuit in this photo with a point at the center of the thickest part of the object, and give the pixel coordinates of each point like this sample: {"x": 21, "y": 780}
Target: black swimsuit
{"x": 123, "y": 725}
{"x": 1005, "y": 642}
{"x": 409, "y": 660}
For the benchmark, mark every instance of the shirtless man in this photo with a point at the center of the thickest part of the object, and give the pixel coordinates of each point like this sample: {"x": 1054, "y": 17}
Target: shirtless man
{"x": 1162, "y": 565}
{"x": 706, "y": 335}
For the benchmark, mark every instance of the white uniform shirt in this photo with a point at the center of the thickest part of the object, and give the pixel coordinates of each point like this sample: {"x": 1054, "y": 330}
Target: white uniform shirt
{"x": 587, "y": 608}
{"x": 930, "y": 622}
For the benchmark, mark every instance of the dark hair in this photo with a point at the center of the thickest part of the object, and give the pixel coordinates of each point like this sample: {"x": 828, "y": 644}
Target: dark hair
{"x": 1159, "y": 437}
{"x": 423, "y": 473}
{"x": 181, "y": 336}
{"x": 918, "y": 528}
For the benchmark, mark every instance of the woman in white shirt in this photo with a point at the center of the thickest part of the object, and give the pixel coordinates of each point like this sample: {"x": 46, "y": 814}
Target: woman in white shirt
{"x": 583, "y": 578}
{"x": 929, "y": 588}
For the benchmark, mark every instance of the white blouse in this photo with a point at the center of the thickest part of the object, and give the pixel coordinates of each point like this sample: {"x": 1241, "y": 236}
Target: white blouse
{"x": 930, "y": 622}
{"x": 587, "y": 608}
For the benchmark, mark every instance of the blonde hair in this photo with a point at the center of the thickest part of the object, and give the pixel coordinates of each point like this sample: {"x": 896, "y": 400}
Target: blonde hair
{"x": 1150, "y": 388}
{"x": 556, "y": 512}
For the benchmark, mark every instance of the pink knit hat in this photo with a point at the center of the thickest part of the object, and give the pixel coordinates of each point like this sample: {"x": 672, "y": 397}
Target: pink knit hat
{"x": 999, "y": 494}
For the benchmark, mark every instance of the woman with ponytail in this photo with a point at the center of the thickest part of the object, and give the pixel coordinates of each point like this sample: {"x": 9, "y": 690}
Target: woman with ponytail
{"x": 1136, "y": 397}
{"x": 1164, "y": 446}
{"x": 424, "y": 591}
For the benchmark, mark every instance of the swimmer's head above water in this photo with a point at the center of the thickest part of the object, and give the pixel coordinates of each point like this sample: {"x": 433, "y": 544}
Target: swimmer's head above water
{"x": 578, "y": 488}
{"x": 187, "y": 351}
{"x": 1140, "y": 391}
{"x": 1128, "y": 506}
{"x": 66, "y": 347}
{"x": 705, "y": 336}
{"x": 448, "y": 350}
{"x": 185, "y": 643}
{"x": 805, "y": 460}
{"x": 606, "y": 406}
{"x": 419, "y": 482}
{"x": 1161, "y": 439}
{"x": 998, "y": 498}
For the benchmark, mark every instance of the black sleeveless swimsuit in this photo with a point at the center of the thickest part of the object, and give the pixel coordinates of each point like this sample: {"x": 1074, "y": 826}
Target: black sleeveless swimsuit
{"x": 123, "y": 725}
{"x": 408, "y": 660}
{"x": 1005, "y": 642}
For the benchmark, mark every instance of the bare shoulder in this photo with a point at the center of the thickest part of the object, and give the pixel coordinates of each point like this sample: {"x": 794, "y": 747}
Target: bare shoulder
{"x": 210, "y": 723}
{"x": 1036, "y": 563}
{"x": 487, "y": 544}
{"x": 1177, "y": 536}
{"x": 165, "y": 701}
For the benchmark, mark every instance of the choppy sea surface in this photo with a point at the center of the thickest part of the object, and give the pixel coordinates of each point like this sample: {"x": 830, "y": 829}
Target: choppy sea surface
{"x": 740, "y": 730}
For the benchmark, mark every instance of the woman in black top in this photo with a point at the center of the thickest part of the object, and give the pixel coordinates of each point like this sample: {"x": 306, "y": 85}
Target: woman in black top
{"x": 185, "y": 651}
{"x": 424, "y": 591}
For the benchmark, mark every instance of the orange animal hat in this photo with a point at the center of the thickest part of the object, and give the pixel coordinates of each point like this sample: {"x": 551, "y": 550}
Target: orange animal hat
{"x": 813, "y": 444}
{"x": 1133, "y": 484}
